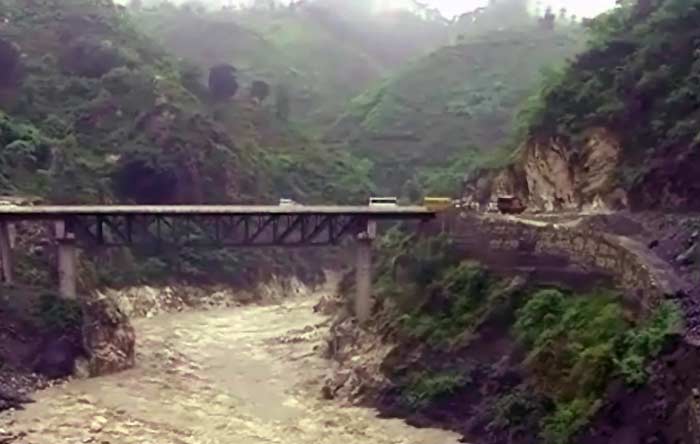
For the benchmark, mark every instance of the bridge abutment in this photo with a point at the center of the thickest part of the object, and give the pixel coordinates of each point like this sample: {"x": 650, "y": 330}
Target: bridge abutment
{"x": 67, "y": 261}
{"x": 6, "y": 242}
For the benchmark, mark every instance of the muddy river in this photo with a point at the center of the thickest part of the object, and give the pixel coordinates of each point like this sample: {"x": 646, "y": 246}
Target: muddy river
{"x": 241, "y": 376}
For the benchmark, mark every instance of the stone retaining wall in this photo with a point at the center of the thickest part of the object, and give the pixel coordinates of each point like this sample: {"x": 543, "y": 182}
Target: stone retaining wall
{"x": 642, "y": 275}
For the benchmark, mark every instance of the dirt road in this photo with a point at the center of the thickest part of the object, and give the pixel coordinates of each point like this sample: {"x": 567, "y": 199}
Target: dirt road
{"x": 242, "y": 376}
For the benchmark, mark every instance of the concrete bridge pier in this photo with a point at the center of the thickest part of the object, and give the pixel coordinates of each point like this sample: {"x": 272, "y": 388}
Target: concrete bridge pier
{"x": 363, "y": 274}
{"x": 6, "y": 243}
{"x": 67, "y": 261}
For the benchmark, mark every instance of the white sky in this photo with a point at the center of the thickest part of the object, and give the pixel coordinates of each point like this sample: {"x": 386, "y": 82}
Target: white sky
{"x": 582, "y": 8}
{"x": 450, "y": 8}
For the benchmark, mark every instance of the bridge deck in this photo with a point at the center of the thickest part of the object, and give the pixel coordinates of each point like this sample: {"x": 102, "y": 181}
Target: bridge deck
{"x": 52, "y": 211}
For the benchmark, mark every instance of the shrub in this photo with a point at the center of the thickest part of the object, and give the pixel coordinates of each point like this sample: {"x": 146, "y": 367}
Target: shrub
{"x": 538, "y": 315}
{"x": 427, "y": 387}
{"x": 577, "y": 344}
{"x": 567, "y": 419}
{"x": 454, "y": 304}
{"x": 282, "y": 103}
{"x": 57, "y": 314}
{"x": 517, "y": 408}
{"x": 638, "y": 77}
{"x": 646, "y": 341}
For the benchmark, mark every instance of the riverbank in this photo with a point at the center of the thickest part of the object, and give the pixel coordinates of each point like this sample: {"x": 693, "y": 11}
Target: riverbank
{"x": 505, "y": 357}
{"x": 45, "y": 339}
{"x": 247, "y": 375}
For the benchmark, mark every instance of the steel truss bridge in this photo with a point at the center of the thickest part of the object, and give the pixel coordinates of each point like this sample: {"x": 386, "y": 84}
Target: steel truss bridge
{"x": 213, "y": 225}
{"x": 205, "y": 225}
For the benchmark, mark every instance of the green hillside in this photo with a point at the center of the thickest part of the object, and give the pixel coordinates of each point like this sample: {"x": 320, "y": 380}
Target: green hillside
{"x": 324, "y": 53}
{"x": 454, "y": 108}
{"x": 93, "y": 111}
{"x": 112, "y": 113}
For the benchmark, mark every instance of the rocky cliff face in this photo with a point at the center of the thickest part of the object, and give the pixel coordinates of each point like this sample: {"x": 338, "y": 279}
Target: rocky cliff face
{"x": 569, "y": 176}
{"x": 553, "y": 174}
{"x": 638, "y": 80}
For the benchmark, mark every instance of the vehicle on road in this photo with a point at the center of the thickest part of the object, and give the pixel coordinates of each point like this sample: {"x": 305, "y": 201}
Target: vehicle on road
{"x": 438, "y": 203}
{"x": 288, "y": 203}
{"x": 510, "y": 205}
{"x": 383, "y": 201}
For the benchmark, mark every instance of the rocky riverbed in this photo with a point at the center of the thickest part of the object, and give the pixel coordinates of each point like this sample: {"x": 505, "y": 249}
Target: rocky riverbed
{"x": 247, "y": 375}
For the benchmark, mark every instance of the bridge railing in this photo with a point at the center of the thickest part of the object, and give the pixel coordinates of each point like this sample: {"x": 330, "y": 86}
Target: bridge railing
{"x": 271, "y": 230}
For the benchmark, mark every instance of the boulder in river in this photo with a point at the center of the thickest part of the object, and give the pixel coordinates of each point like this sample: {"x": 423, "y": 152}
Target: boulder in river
{"x": 11, "y": 399}
{"x": 108, "y": 335}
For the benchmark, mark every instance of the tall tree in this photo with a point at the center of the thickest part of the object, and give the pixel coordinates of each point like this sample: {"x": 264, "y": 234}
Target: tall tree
{"x": 260, "y": 90}
{"x": 222, "y": 82}
{"x": 547, "y": 22}
{"x": 282, "y": 105}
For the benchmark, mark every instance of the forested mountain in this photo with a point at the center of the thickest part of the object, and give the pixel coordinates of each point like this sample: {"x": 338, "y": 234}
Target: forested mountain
{"x": 180, "y": 104}
{"x": 93, "y": 110}
{"x": 618, "y": 126}
{"x": 324, "y": 52}
{"x": 452, "y": 111}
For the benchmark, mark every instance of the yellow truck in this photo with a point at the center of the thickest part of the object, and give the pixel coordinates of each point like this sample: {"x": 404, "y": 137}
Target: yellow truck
{"x": 438, "y": 203}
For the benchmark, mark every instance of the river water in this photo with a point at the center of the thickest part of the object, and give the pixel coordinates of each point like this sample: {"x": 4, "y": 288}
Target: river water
{"x": 241, "y": 376}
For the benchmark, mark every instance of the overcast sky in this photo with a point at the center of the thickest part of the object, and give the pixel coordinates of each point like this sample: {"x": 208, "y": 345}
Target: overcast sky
{"x": 582, "y": 8}
{"x": 450, "y": 8}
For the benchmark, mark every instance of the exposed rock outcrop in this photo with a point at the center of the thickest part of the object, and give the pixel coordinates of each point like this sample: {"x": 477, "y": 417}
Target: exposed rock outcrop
{"x": 358, "y": 356}
{"x": 558, "y": 175}
{"x": 568, "y": 176}
{"x": 108, "y": 335}
{"x": 11, "y": 399}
